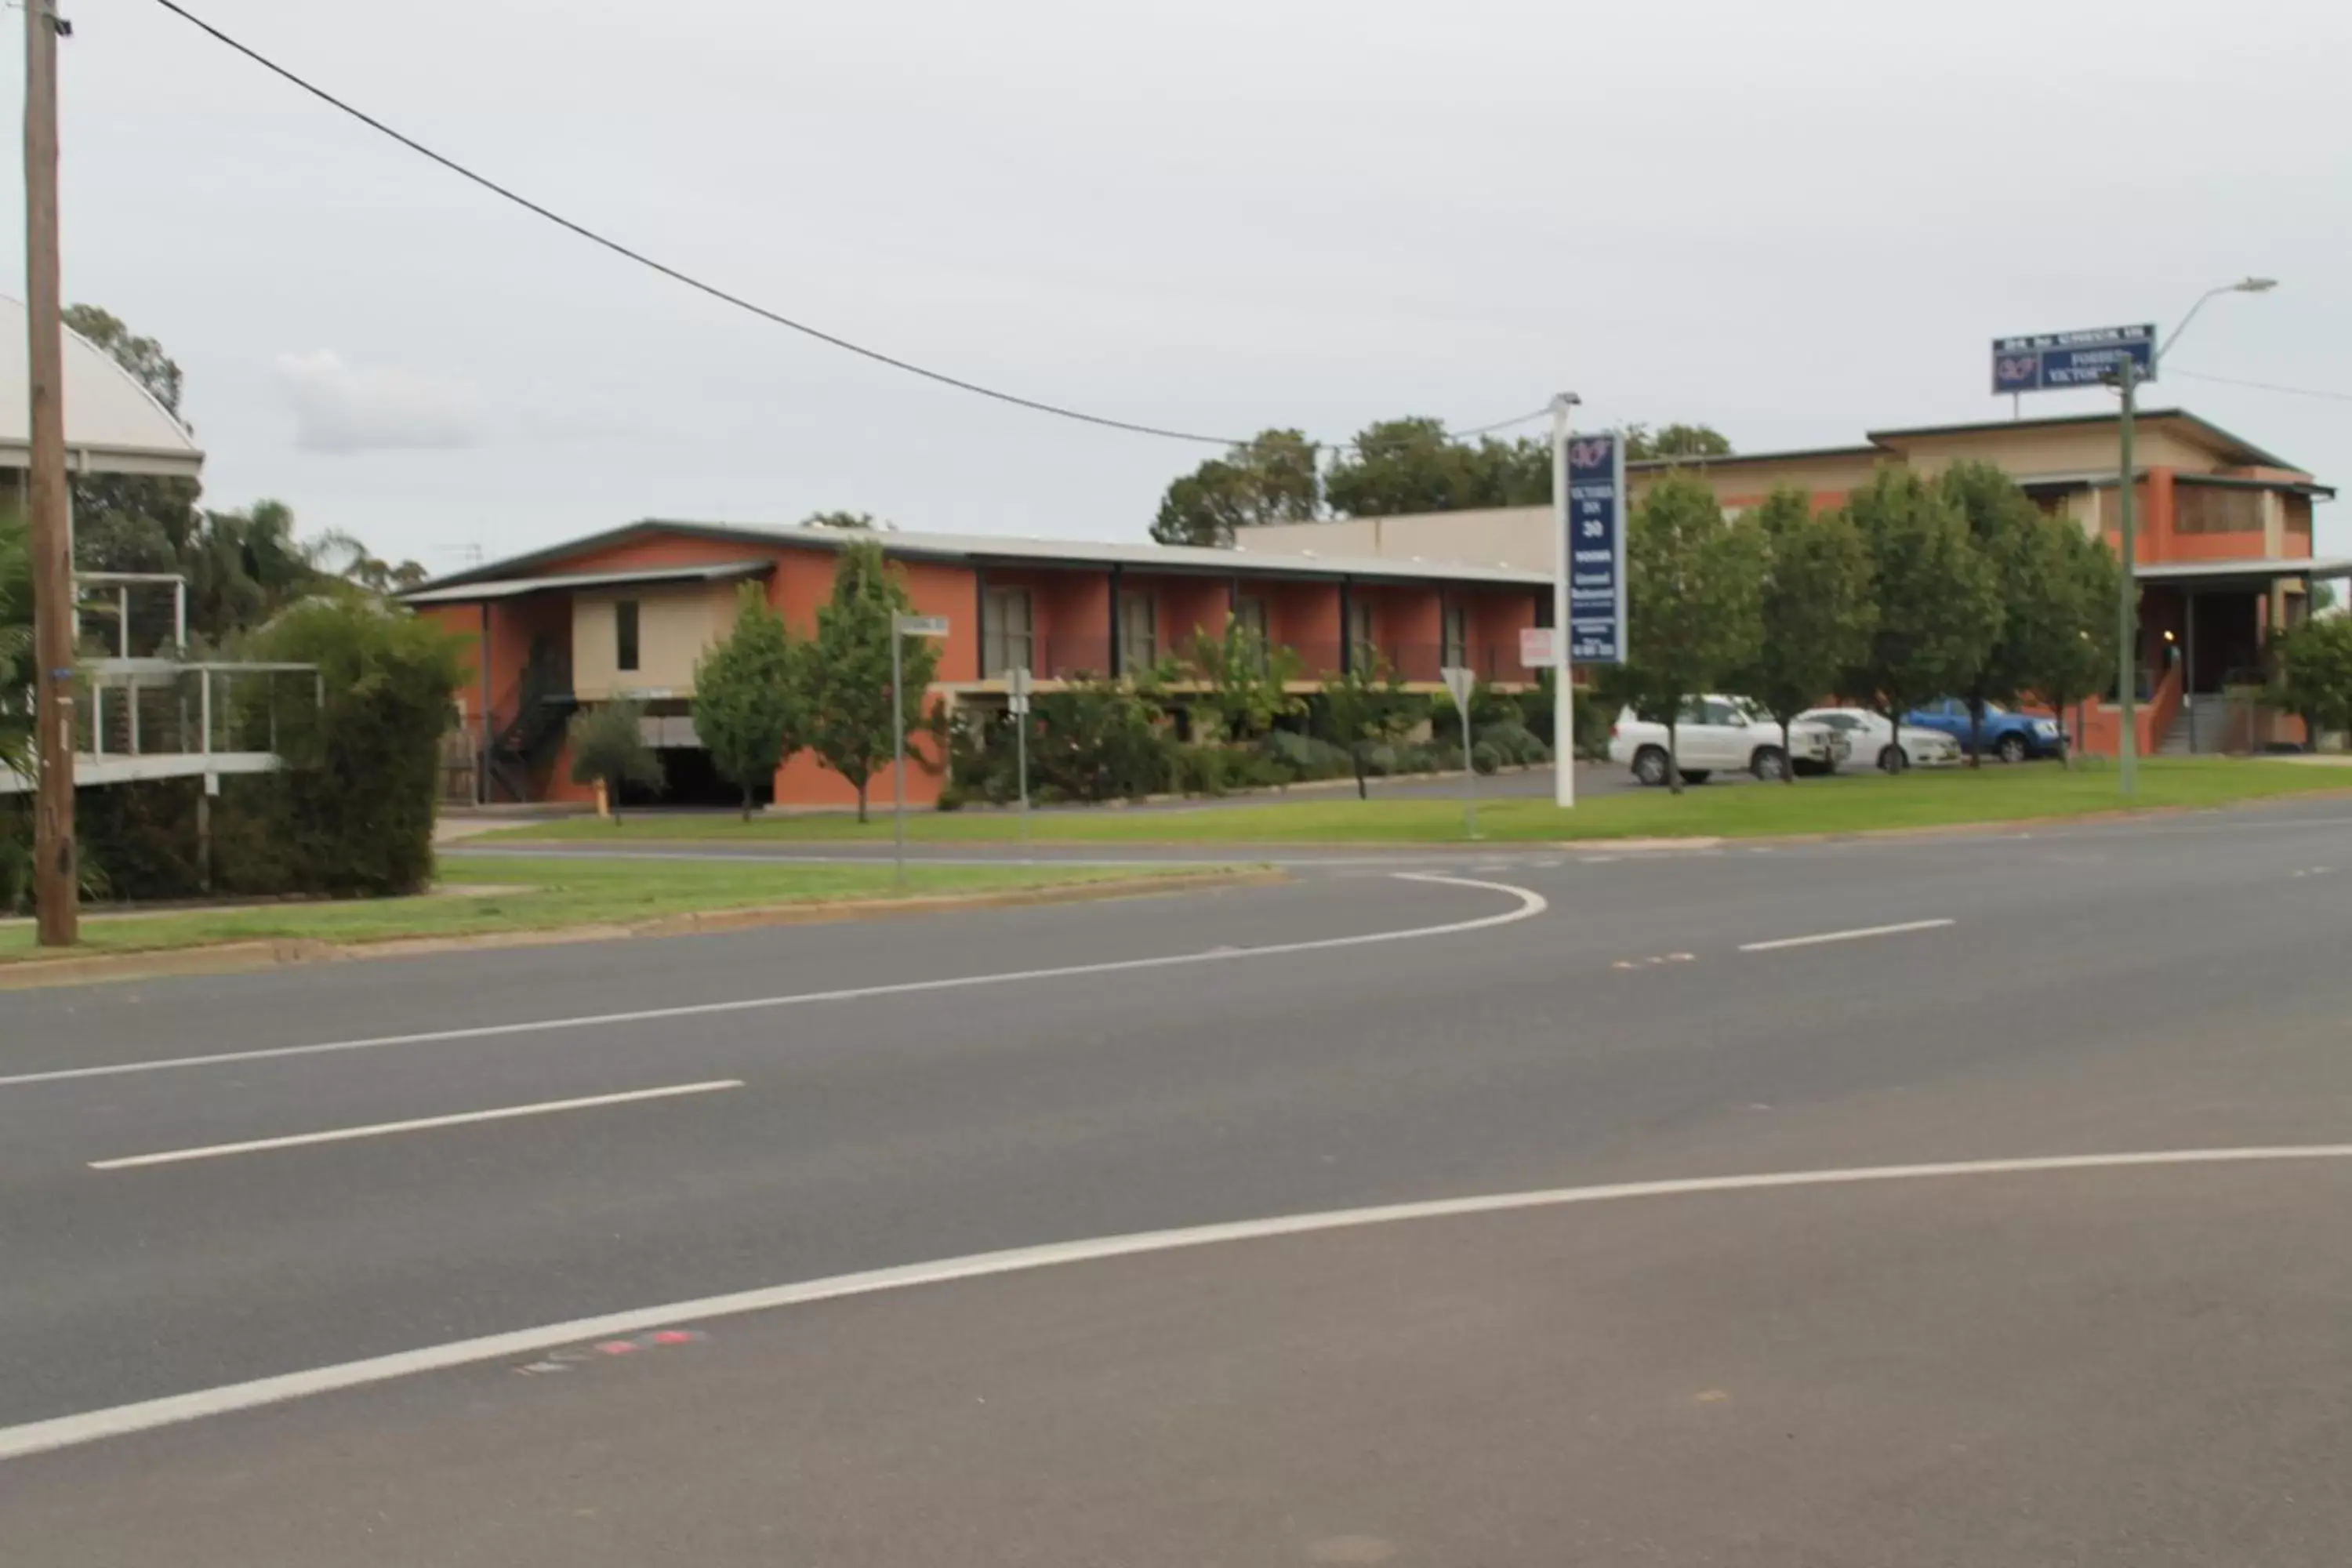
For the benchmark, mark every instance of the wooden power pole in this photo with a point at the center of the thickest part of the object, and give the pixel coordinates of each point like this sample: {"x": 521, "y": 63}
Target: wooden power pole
{"x": 57, "y": 879}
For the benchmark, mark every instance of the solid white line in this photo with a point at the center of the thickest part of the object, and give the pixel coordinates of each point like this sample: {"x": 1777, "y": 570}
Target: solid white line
{"x": 1855, "y": 935}
{"x": 65, "y": 1431}
{"x": 418, "y": 1124}
{"x": 1530, "y": 904}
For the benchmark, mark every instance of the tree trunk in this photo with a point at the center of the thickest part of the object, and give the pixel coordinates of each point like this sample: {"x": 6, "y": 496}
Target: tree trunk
{"x": 861, "y": 800}
{"x": 1976, "y": 731}
{"x": 1788, "y": 757}
{"x": 1674, "y": 760}
{"x": 747, "y": 803}
{"x": 1895, "y": 737}
{"x": 1361, "y": 792}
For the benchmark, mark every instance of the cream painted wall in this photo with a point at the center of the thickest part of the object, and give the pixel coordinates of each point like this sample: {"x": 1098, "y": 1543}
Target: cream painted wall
{"x": 674, "y": 626}
{"x": 2029, "y": 452}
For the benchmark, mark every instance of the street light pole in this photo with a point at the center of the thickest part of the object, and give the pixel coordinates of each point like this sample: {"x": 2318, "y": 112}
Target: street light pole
{"x": 57, "y": 880}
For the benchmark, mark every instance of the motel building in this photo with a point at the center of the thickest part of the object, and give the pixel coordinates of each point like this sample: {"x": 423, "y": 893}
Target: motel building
{"x": 2222, "y": 531}
{"x": 628, "y": 612}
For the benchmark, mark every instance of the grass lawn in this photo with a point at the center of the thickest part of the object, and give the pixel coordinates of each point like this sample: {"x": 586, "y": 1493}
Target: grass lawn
{"x": 1854, "y": 805}
{"x": 546, "y": 894}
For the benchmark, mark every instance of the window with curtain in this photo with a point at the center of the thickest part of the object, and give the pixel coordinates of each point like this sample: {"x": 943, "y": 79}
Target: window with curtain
{"x": 2216, "y": 509}
{"x": 1011, "y": 643}
{"x": 1364, "y": 652}
{"x": 1456, "y": 636}
{"x": 1249, "y": 617}
{"x": 1138, "y": 631}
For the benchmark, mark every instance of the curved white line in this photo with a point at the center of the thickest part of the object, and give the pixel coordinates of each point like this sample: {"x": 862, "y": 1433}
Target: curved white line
{"x": 1530, "y": 904}
{"x": 66, "y": 1431}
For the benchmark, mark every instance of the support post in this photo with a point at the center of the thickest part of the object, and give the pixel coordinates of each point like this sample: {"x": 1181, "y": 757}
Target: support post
{"x": 2188, "y": 664}
{"x": 2127, "y": 603}
{"x": 482, "y": 752}
{"x": 898, "y": 758}
{"x": 1563, "y": 697}
{"x": 56, "y": 878}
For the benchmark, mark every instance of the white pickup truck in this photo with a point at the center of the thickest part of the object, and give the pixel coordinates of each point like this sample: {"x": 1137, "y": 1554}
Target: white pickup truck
{"x": 1723, "y": 735}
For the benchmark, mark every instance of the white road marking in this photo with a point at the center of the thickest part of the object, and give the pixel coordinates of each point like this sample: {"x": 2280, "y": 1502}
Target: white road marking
{"x": 1530, "y": 904}
{"x": 1857, "y": 934}
{"x": 417, "y": 1124}
{"x": 91, "y": 1427}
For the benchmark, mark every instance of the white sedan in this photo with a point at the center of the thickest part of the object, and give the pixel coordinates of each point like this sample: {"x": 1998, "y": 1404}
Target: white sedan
{"x": 1721, "y": 734}
{"x": 1871, "y": 741}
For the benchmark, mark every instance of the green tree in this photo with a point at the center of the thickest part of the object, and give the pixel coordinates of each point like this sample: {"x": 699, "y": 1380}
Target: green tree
{"x": 1247, "y": 682}
{"x": 1938, "y": 599}
{"x": 749, "y": 688}
{"x": 851, "y": 725}
{"x": 1368, "y": 706}
{"x": 1694, "y": 603}
{"x": 864, "y": 522}
{"x": 608, "y": 746}
{"x": 2076, "y": 659}
{"x": 2313, "y": 661}
{"x": 2018, "y": 541}
{"x": 1644, "y": 445}
{"x": 1270, "y": 479}
{"x": 1397, "y": 466}
{"x": 1815, "y": 614}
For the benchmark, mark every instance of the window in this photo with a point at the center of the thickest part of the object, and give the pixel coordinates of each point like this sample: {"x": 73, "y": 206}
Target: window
{"x": 1364, "y": 654}
{"x": 1249, "y": 619}
{"x": 1456, "y": 635}
{"x": 2216, "y": 509}
{"x": 1139, "y": 632}
{"x": 1011, "y": 643}
{"x": 1719, "y": 713}
{"x": 625, "y": 633}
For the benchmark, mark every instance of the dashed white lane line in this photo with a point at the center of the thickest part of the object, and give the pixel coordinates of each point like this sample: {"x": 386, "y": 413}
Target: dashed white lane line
{"x": 416, "y": 1124}
{"x": 1857, "y": 934}
{"x": 91, "y": 1427}
{"x": 1529, "y": 905}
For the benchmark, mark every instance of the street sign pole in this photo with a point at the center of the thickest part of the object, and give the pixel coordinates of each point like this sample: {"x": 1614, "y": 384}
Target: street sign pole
{"x": 903, "y": 625}
{"x": 897, "y": 756}
{"x": 1017, "y": 681}
{"x": 2127, "y": 599}
{"x": 1460, "y": 681}
{"x": 1563, "y": 699}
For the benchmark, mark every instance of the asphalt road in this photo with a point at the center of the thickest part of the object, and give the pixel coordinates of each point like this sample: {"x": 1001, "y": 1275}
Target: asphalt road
{"x": 2114, "y": 1363}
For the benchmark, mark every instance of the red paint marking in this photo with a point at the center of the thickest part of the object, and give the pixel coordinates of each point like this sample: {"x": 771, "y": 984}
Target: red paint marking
{"x": 673, "y": 1336}
{"x": 617, "y": 1347}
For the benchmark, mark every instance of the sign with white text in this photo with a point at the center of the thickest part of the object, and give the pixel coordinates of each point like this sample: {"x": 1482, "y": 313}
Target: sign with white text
{"x": 2051, "y": 361}
{"x": 1596, "y": 549}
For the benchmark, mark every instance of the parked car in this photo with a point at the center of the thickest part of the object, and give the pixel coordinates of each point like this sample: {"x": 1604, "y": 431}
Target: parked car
{"x": 1721, "y": 734}
{"x": 2012, "y": 737}
{"x": 1871, "y": 741}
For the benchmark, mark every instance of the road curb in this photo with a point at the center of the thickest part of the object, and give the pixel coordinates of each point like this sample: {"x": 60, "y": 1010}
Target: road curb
{"x": 234, "y": 957}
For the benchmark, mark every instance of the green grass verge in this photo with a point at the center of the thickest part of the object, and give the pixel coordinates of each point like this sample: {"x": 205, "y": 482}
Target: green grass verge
{"x": 1852, "y": 805}
{"x": 548, "y": 894}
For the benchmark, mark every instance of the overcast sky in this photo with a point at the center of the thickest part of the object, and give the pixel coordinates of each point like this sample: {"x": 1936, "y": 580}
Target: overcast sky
{"x": 1792, "y": 221}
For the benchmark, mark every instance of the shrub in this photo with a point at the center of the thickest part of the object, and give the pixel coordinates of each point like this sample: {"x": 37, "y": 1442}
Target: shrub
{"x": 1484, "y": 757}
{"x": 1096, "y": 740}
{"x": 1379, "y": 760}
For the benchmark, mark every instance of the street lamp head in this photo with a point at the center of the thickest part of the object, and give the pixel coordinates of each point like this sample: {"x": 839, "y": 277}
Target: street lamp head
{"x": 2255, "y": 285}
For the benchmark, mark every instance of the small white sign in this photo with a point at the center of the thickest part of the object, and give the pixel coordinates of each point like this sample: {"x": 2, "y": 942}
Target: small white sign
{"x": 1459, "y": 681}
{"x": 1020, "y": 703}
{"x": 920, "y": 625}
{"x": 1017, "y": 681}
{"x": 1535, "y": 648}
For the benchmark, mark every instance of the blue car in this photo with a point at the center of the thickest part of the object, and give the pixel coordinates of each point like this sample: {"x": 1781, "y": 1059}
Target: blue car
{"x": 2012, "y": 737}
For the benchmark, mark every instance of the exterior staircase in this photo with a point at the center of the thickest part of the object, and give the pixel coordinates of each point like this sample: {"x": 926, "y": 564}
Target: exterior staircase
{"x": 2201, "y": 727}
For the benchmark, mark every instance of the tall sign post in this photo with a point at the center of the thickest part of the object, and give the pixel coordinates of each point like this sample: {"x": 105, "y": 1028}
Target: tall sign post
{"x": 1016, "y": 684}
{"x": 1563, "y": 701}
{"x": 1591, "y": 527}
{"x": 1460, "y": 681}
{"x": 903, "y": 626}
{"x": 57, "y": 879}
{"x": 2122, "y": 357}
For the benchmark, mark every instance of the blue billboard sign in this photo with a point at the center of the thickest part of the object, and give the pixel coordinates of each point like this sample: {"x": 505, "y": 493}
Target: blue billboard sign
{"x": 1594, "y": 549}
{"x": 2049, "y": 362}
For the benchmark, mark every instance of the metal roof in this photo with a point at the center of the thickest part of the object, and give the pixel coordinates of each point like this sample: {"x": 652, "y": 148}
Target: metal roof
{"x": 2243, "y": 572}
{"x": 112, "y": 424}
{"x": 2214, "y": 433}
{"x": 986, "y": 548}
{"x": 515, "y": 587}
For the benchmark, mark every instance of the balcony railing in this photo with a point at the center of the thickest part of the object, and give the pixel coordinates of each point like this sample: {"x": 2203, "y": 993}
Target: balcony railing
{"x": 1056, "y": 657}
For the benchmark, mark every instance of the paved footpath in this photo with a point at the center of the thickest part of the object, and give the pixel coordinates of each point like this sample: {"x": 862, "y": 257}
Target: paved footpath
{"x": 642, "y": 1175}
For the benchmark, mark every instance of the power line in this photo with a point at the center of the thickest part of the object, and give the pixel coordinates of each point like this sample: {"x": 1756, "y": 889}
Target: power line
{"x": 583, "y": 232}
{"x": 2262, "y": 385}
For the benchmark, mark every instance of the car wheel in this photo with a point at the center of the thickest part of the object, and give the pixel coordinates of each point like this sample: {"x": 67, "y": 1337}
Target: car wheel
{"x": 2013, "y": 748}
{"x": 1649, "y": 767}
{"x": 1893, "y": 760}
{"x": 1769, "y": 763}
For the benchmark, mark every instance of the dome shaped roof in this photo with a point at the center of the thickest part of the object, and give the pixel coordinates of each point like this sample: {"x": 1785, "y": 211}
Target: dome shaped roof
{"x": 112, "y": 424}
